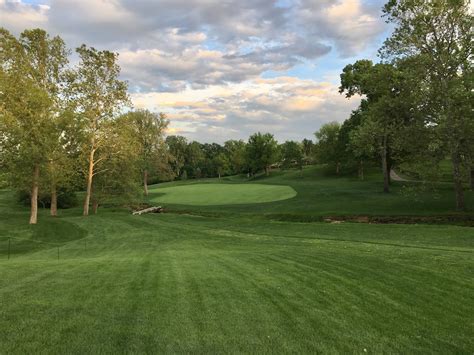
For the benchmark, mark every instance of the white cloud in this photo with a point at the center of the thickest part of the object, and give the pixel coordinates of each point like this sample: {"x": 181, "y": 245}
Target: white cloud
{"x": 17, "y": 15}
{"x": 202, "y": 61}
{"x": 288, "y": 107}
{"x": 349, "y": 24}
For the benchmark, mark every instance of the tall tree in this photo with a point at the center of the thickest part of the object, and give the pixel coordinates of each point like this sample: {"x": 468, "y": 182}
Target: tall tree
{"x": 327, "y": 145}
{"x": 389, "y": 105}
{"x": 177, "y": 147}
{"x": 221, "y": 162}
{"x": 235, "y": 150}
{"x": 262, "y": 150}
{"x": 63, "y": 156}
{"x": 439, "y": 35}
{"x": 292, "y": 155}
{"x": 31, "y": 76}
{"x": 99, "y": 95}
{"x": 147, "y": 129}
{"x": 121, "y": 167}
{"x": 355, "y": 152}
{"x": 194, "y": 159}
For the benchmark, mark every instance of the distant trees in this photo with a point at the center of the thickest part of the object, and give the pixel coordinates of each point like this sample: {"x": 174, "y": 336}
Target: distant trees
{"x": 177, "y": 147}
{"x": 327, "y": 147}
{"x": 308, "y": 150}
{"x": 235, "y": 151}
{"x": 262, "y": 150}
{"x": 292, "y": 155}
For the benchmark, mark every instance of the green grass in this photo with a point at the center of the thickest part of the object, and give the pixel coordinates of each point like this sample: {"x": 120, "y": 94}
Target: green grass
{"x": 238, "y": 281}
{"x": 319, "y": 194}
{"x": 221, "y": 194}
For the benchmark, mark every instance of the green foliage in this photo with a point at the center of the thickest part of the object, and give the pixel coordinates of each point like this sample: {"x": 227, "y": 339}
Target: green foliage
{"x": 261, "y": 152}
{"x": 308, "y": 148}
{"x": 292, "y": 155}
{"x": 177, "y": 147}
{"x": 327, "y": 145}
{"x": 437, "y": 38}
{"x": 146, "y": 130}
{"x": 120, "y": 169}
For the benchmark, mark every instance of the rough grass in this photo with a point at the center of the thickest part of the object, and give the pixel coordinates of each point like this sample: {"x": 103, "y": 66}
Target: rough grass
{"x": 237, "y": 282}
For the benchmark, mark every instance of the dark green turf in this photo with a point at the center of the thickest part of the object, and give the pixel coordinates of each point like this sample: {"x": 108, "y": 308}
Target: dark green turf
{"x": 319, "y": 194}
{"x": 237, "y": 282}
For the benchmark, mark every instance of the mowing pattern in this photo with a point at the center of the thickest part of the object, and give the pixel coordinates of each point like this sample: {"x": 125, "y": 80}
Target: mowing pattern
{"x": 221, "y": 194}
{"x": 168, "y": 283}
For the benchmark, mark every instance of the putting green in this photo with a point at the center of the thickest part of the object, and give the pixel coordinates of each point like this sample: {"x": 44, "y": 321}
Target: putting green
{"x": 222, "y": 194}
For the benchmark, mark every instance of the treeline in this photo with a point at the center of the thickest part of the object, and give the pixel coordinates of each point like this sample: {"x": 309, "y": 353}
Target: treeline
{"x": 259, "y": 154}
{"x": 67, "y": 128}
{"x": 417, "y": 103}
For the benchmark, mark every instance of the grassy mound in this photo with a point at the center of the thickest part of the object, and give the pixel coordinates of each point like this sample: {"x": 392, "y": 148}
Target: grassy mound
{"x": 221, "y": 194}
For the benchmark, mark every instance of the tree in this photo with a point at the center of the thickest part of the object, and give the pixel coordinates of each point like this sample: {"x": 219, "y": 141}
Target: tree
{"x": 63, "y": 156}
{"x": 327, "y": 145}
{"x": 292, "y": 155}
{"x": 353, "y": 148}
{"x": 438, "y": 35}
{"x": 262, "y": 152}
{"x": 147, "y": 130}
{"x": 98, "y": 95}
{"x": 210, "y": 163}
{"x": 308, "y": 150}
{"x": 121, "y": 166}
{"x": 390, "y": 104}
{"x": 31, "y": 77}
{"x": 222, "y": 164}
{"x": 235, "y": 151}
{"x": 177, "y": 147}
{"x": 194, "y": 159}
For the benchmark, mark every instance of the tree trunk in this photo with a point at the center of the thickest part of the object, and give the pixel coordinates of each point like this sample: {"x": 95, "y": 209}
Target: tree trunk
{"x": 361, "y": 170}
{"x": 145, "y": 182}
{"x": 219, "y": 176}
{"x": 95, "y": 206}
{"x": 34, "y": 196}
{"x": 54, "y": 200}
{"x": 267, "y": 171}
{"x": 386, "y": 173}
{"x": 90, "y": 175}
{"x": 338, "y": 167}
{"x": 457, "y": 176}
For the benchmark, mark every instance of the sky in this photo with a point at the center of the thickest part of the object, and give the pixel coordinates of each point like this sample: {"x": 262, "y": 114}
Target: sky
{"x": 222, "y": 69}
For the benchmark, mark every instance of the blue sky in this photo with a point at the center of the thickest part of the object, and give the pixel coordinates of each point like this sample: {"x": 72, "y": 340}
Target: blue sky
{"x": 222, "y": 69}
